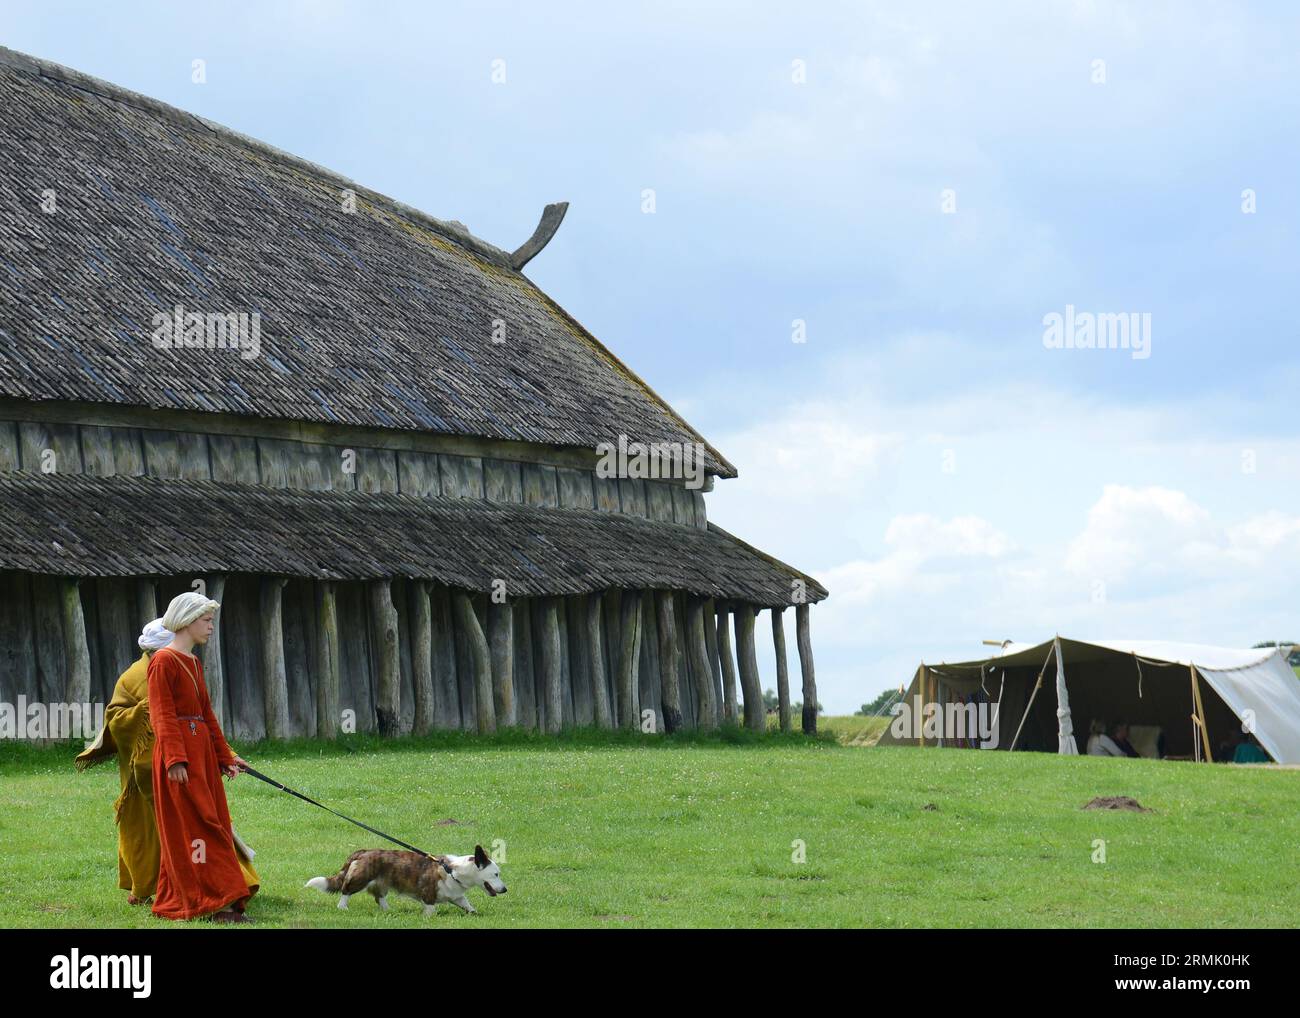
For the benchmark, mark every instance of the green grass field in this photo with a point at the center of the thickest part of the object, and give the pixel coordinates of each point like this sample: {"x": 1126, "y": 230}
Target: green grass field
{"x": 604, "y": 830}
{"x": 854, "y": 730}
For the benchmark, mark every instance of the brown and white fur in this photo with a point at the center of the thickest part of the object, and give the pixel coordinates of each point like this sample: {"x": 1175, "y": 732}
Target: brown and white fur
{"x": 428, "y": 879}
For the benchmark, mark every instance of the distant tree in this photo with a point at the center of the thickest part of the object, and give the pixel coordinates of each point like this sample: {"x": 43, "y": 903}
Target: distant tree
{"x": 873, "y": 708}
{"x": 1293, "y": 658}
{"x": 772, "y": 704}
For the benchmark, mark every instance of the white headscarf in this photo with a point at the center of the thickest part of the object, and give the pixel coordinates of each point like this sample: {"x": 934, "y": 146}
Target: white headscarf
{"x": 185, "y": 608}
{"x": 156, "y": 636}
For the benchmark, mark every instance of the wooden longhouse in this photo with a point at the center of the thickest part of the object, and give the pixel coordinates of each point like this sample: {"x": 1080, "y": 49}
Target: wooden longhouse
{"x": 396, "y": 500}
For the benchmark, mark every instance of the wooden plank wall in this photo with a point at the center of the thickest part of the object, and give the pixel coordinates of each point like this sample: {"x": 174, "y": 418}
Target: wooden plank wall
{"x": 36, "y": 447}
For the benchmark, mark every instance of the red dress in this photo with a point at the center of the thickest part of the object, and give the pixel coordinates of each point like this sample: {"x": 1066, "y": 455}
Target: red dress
{"x": 198, "y": 870}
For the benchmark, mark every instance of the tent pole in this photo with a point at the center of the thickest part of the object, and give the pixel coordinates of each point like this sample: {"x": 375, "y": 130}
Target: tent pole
{"x": 939, "y": 702}
{"x": 1037, "y": 686}
{"x": 924, "y": 686}
{"x": 1200, "y": 713}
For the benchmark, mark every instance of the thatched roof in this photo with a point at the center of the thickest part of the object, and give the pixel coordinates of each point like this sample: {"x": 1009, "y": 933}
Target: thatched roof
{"x": 81, "y": 525}
{"x": 380, "y": 317}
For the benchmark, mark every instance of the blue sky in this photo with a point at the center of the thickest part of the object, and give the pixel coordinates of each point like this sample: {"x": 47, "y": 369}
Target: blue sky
{"x": 923, "y": 453}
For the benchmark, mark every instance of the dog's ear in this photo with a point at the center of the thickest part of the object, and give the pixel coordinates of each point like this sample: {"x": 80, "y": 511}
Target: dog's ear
{"x": 480, "y": 857}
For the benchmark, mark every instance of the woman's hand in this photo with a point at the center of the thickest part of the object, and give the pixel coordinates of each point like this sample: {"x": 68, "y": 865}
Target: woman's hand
{"x": 179, "y": 772}
{"x": 232, "y": 769}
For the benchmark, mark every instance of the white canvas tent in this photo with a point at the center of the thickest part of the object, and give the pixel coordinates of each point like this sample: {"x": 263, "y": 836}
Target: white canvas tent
{"x": 1045, "y": 696}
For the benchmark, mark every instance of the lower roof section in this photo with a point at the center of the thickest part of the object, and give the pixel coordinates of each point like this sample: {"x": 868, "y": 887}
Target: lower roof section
{"x": 82, "y": 525}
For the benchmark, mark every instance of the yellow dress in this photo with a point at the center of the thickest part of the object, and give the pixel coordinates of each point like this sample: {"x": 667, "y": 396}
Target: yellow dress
{"x": 128, "y": 734}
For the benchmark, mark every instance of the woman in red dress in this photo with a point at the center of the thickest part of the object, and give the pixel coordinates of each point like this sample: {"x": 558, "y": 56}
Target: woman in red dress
{"x": 199, "y": 872}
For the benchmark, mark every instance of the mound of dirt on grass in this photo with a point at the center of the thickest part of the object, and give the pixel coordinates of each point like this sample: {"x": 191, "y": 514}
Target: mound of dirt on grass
{"x": 1117, "y": 802}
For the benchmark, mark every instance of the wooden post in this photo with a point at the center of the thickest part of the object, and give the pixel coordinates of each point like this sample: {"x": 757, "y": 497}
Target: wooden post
{"x": 501, "y": 636}
{"x": 47, "y": 639}
{"x": 383, "y": 624}
{"x": 468, "y": 695}
{"x": 648, "y": 688}
{"x": 275, "y": 680}
{"x": 1200, "y": 714}
{"x": 421, "y": 656}
{"x": 596, "y": 667}
{"x": 699, "y": 651}
{"x": 523, "y": 677}
{"x": 566, "y": 663}
{"x": 480, "y": 661}
{"x": 630, "y": 645}
{"x": 214, "y": 669}
{"x": 551, "y": 665}
{"x": 146, "y": 609}
{"x": 611, "y": 605}
{"x": 580, "y": 684}
{"x": 750, "y": 685}
{"x": 728, "y": 662}
{"x": 711, "y": 645}
{"x": 76, "y": 648}
{"x": 18, "y": 669}
{"x": 117, "y": 635}
{"x": 806, "y": 664}
{"x": 929, "y": 695}
{"x": 669, "y": 690}
{"x": 688, "y": 695}
{"x": 446, "y": 687}
{"x": 782, "y": 670}
{"x": 327, "y": 660}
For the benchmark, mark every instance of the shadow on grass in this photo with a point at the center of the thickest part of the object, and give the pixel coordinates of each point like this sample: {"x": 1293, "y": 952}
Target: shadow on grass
{"x": 18, "y": 757}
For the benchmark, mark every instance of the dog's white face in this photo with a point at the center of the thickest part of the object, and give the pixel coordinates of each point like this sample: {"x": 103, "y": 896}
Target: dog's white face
{"x": 487, "y": 873}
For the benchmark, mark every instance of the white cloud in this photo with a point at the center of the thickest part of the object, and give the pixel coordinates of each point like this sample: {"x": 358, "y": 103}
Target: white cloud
{"x": 1132, "y": 529}
{"x": 810, "y": 447}
{"x": 923, "y": 537}
{"x": 1270, "y": 536}
{"x": 1051, "y": 494}
{"x": 927, "y": 559}
{"x": 1162, "y": 535}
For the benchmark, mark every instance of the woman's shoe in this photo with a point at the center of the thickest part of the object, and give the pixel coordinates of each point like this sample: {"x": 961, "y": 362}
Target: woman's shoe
{"x": 230, "y": 917}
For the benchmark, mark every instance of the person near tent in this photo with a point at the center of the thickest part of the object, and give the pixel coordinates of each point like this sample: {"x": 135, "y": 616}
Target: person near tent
{"x": 199, "y": 871}
{"x": 1249, "y": 751}
{"x": 1114, "y": 743}
{"x": 1101, "y": 744}
{"x": 1119, "y": 736}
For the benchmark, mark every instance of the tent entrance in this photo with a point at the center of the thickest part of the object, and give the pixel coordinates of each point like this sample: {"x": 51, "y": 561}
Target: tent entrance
{"x": 1105, "y": 686}
{"x": 1156, "y": 703}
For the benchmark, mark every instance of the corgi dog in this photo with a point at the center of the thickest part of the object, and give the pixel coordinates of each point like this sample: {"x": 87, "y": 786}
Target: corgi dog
{"x": 428, "y": 879}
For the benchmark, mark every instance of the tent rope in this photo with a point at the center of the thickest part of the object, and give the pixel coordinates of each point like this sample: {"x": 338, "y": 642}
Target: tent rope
{"x": 889, "y": 704}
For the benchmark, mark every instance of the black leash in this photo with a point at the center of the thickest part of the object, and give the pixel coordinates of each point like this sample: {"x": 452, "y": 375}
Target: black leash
{"x": 306, "y": 798}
